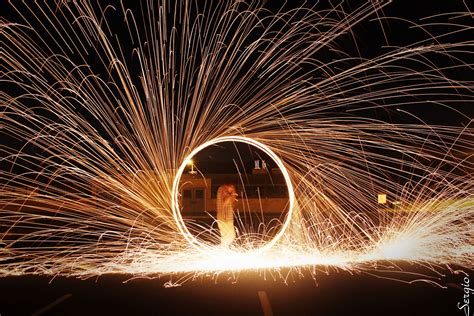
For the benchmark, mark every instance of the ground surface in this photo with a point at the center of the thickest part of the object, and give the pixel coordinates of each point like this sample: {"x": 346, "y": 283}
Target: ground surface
{"x": 338, "y": 293}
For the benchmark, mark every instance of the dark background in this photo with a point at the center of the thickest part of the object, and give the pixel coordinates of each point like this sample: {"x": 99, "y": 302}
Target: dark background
{"x": 338, "y": 293}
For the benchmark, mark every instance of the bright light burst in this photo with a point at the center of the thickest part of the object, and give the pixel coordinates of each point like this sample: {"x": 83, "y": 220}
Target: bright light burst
{"x": 100, "y": 105}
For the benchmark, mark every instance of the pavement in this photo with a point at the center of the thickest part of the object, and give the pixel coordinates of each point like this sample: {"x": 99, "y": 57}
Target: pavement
{"x": 248, "y": 293}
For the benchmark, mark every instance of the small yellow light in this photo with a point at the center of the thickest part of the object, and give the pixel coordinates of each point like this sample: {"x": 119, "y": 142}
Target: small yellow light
{"x": 190, "y": 162}
{"x": 382, "y": 198}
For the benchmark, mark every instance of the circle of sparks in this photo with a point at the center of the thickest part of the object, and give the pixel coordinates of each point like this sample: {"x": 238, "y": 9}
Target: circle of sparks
{"x": 175, "y": 201}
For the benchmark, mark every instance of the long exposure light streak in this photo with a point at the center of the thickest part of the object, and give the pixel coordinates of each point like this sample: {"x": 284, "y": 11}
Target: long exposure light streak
{"x": 101, "y": 106}
{"x": 175, "y": 203}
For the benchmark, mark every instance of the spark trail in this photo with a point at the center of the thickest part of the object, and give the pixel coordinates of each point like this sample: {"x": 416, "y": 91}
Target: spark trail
{"x": 100, "y": 104}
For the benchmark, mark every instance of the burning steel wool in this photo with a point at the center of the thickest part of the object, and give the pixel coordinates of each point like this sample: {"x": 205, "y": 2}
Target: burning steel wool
{"x": 101, "y": 104}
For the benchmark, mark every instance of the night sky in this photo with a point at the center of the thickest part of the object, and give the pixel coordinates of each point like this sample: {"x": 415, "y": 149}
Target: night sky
{"x": 226, "y": 157}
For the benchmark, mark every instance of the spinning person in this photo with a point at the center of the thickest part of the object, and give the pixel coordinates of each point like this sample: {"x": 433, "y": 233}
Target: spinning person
{"x": 226, "y": 197}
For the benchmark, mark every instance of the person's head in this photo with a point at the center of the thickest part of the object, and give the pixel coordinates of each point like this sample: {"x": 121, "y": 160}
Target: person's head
{"x": 227, "y": 193}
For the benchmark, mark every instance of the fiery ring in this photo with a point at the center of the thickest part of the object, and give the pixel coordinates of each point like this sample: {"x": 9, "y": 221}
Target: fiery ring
{"x": 175, "y": 203}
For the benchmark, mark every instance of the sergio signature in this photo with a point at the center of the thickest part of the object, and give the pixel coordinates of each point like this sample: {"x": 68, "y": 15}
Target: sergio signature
{"x": 464, "y": 304}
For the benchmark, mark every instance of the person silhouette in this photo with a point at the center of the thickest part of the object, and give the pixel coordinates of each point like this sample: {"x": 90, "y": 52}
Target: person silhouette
{"x": 226, "y": 197}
